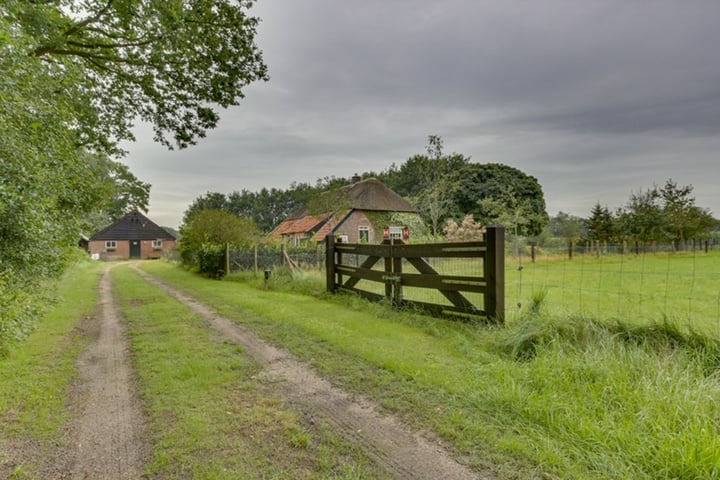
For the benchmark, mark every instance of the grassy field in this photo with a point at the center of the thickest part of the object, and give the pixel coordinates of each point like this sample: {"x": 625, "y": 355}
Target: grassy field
{"x": 36, "y": 375}
{"x": 684, "y": 286}
{"x": 546, "y": 396}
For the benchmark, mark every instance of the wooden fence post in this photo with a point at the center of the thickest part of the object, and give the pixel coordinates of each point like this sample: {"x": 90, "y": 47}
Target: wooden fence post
{"x": 227, "y": 259}
{"x": 330, "y": 263}
{"x": 494, "y": 273}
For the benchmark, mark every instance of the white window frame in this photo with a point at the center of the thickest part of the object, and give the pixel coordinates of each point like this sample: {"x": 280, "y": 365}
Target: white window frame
{"x": 110, "y": 245}
{"x": 157, "y": 244}
{"x": 396, "y": 233}
{"x": 366, "y": 232}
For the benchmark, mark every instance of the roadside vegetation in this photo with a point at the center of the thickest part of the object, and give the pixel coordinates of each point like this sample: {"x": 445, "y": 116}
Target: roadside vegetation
{"x": 35, "y": 379}
{"x": 565, "y": 396}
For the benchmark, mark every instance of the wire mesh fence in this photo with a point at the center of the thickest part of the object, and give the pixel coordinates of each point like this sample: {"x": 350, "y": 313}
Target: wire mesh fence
{"x": 628, "y": 282}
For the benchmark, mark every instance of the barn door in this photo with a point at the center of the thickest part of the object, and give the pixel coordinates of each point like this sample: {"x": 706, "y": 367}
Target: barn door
{"x": 134, "y": 248}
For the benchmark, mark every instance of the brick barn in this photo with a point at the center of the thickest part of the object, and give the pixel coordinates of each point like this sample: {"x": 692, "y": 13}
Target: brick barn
{"x": 132, "y": 236}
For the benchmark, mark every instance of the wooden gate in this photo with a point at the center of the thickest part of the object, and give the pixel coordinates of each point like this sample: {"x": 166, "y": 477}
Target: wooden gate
{"x": 490, "y": 280}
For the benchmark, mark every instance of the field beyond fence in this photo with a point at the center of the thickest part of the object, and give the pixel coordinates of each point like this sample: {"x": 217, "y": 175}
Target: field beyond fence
{"x": 614, "y": 282}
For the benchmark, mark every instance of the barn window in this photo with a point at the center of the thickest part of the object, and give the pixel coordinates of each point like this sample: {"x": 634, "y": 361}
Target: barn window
{"x": 157, "y": 243}
{"x": 110, "y": 244}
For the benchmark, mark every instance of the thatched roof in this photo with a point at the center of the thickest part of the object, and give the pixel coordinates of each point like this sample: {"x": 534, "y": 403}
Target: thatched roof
{"x": 372, "y": 194}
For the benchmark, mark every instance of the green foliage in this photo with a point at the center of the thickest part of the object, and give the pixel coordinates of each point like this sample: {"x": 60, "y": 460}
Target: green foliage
{"x": 267, "y": 207}
{"x": 75, "y": 77}
{"x": 162, "y": 61}
{"x": 600, "y": 225}
{"x": 206, "y": 234}
{"x": 666, "y": 214}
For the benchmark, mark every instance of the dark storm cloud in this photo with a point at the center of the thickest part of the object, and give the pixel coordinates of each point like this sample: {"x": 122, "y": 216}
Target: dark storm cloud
{"x": 593, "y": 97}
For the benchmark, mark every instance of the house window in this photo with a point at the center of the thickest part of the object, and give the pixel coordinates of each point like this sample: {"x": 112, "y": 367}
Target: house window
{"x": 157, "y": 244}
{"x": 363, "y": 234}
{"x": 396, "y": 233}
{"x": 110, "y": 245}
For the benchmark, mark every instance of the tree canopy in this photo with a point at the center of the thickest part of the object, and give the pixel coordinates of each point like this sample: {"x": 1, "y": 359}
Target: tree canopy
{"x": 76, "y": 75}
{"x": 167, "y": 62}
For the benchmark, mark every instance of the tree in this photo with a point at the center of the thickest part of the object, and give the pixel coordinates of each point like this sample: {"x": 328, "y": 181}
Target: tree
{"x": 123, "y": 192}
{"x": 600, "y": 225}
{"x": 206, "y": 233}
{"x": 75, "y": 77}
{"x": 496, "y": 193}
{"x": 424, "y": 180}
{"x": 665, "y": 214}
{"x": 163, "y": 61}
{"x": 564, "y": 225}
{"x": 683, "y": 219}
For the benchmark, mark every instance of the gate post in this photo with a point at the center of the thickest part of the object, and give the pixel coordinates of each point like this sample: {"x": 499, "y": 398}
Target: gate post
{"x": 330, "y": 263}
{"x": 494, "y": 273}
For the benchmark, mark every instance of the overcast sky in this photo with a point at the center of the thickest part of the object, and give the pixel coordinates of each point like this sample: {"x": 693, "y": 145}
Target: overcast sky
{"x": 595, "y": 98}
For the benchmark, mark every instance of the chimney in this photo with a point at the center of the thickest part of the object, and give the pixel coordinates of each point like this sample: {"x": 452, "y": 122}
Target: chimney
{"x": 356, "y": 178}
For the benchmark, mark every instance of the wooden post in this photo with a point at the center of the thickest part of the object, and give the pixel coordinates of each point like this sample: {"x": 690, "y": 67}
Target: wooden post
{"x": 256, "y": 258}
{"x": 532, "y": 252}
{"x": 330, "y": 263}
{"x": 388, "y": 273}
{"x": 397, "y": 284}
{"x": 570, "y": 250}
{"x": 227, "y": 259}
{"x": 494, "y": 273}
{"x": 282, "y": 253}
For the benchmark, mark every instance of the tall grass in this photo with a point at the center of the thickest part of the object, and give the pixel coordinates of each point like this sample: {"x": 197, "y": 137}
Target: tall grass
{"x": 566, "y": 396}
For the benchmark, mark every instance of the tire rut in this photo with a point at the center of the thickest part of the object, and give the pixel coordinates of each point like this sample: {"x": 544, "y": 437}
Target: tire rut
{"x": 109, "y": 425}
{"x": 403, "y": 453}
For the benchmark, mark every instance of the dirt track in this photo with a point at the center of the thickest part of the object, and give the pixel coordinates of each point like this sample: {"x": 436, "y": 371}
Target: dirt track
{"x": 406, "y": 455}
{"x": 105, "y": 439}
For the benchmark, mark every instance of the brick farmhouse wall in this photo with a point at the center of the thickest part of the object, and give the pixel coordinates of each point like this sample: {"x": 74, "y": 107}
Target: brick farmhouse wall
{"x": 122, "y": 249}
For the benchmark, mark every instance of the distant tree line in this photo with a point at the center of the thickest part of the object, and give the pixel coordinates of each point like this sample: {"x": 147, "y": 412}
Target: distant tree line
{"x": 443, "y": 187}
{"x": 666, "y": 214}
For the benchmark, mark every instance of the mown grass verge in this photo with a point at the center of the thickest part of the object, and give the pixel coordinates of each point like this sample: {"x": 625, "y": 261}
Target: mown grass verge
{"x": 210, "y": 415}
{"x": 564, "y": 397}
{"x": 36, "y": 374}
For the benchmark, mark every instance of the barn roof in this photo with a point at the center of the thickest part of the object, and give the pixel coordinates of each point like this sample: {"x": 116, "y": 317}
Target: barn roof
{"x": 133, "y": 226}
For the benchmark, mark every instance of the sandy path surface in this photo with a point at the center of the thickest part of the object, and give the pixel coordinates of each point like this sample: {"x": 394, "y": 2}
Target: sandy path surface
{"x": 403, "y": 453}
{"x": 109, "y": 424}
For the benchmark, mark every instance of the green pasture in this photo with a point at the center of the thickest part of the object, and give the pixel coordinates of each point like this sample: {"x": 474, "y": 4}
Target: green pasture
{"x": 683, "y": 286}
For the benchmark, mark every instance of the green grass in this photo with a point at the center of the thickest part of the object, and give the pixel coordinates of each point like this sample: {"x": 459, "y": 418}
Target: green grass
{"x": 684, "y": 286}
{"x": 35, "y": 376}
{"x": 210, "y": 415}
{"x": 547, "y": 395}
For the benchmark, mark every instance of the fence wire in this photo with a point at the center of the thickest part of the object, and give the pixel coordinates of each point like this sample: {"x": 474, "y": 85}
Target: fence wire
{"x": 611, "y": 282}
{"x": 651, "y": 283}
